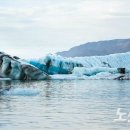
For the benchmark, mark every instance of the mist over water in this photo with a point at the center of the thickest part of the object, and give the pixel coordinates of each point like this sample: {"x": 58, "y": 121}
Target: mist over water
{"x": 63, "y": 104}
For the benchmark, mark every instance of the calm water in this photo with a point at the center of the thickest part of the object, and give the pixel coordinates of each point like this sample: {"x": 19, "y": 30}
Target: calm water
{"x": 64, "y": 105}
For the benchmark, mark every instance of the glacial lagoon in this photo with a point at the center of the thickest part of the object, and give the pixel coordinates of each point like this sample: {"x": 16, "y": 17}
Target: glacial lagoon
{"x": 63, "y": 104}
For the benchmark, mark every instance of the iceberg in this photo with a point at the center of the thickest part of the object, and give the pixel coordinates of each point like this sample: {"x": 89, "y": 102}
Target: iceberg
{"x": 114, "y": 66}
{"x": 120, "y": 60}
{"x": 55, "y": 64}
{"x": 101, "y": 73}
{"x": 18, "y": 69}
{"x": 92, "y": 67}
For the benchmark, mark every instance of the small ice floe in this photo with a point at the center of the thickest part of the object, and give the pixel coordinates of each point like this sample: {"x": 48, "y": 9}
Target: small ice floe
{"x": 21, "y": 92}
{"x": 67, "y": 77}
{"x": 4, "y": 79}
{"x": 77, "y": 76}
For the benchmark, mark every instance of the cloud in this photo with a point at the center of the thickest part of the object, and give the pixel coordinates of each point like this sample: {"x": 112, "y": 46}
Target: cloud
{"x": 43, "y": 24}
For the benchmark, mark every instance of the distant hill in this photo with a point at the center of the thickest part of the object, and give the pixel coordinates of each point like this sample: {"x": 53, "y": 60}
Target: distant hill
{"x": 98, "y": 48}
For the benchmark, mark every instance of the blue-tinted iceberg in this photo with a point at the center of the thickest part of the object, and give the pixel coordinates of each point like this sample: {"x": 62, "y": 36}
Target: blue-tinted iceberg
{"x": 115, "y": 66}
{"x": 93, "y": 67}
{"x": 54, "y": 64}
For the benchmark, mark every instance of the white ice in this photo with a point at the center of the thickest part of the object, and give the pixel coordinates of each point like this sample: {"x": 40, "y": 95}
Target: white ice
{"x": 93, "y": 67}
{"x": 21, "y": 92}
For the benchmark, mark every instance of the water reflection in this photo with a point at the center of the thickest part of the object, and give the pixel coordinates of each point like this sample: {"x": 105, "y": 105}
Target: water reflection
{"x": 5, "y": 85}
{"x": 64, "y": 104}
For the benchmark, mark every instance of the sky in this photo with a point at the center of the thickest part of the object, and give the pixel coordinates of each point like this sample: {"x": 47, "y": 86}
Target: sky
{"x": 34, "y": 28}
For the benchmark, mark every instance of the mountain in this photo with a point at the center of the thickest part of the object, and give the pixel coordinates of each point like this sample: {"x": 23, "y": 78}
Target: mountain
{"x": 99, "y": 48}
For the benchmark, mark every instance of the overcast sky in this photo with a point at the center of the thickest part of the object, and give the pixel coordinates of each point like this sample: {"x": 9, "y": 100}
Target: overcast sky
{"x": 33, "y": 28}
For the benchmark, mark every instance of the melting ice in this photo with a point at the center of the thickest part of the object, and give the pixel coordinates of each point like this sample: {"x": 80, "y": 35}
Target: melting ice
{"x": 93, "y": 67}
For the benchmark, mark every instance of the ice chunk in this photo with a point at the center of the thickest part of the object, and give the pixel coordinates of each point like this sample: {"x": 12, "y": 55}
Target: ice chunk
{"x": 21, "y": 92}
{"x": 17, "y": 69}
{"x": 121, "y": 60}
{"x": 93, "y": 70}
{"x": 101, "y": 75}
{"x": 93, "y": 67}
{"x": 54, "y": 64}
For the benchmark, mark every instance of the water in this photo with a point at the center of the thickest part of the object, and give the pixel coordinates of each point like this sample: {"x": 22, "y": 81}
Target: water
{"x": 63, "y": 105}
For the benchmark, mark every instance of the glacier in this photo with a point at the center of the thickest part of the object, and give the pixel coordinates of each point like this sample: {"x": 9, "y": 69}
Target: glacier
{"x": 92, "y": 67}
{"x": 52, "y": 66}
{"x": 120, "y": 60}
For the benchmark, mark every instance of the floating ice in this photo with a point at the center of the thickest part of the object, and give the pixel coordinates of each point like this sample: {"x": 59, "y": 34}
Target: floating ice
{"x": 93, "y": 70}
{"x": 17, "y": 69}
{"x": 110, "y": 61}
{"x": 54, "y": 64}
{"x": 93, "y": 67}
{"x": 21, "y": 92}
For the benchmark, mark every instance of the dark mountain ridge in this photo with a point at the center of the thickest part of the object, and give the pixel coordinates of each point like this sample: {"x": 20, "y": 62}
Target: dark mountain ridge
{"x": 99, "y": 48}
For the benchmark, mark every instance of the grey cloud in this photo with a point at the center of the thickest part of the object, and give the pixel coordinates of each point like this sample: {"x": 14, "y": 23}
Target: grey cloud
{"x": 120, "y": 14}
{"x": 37, "y": 25}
